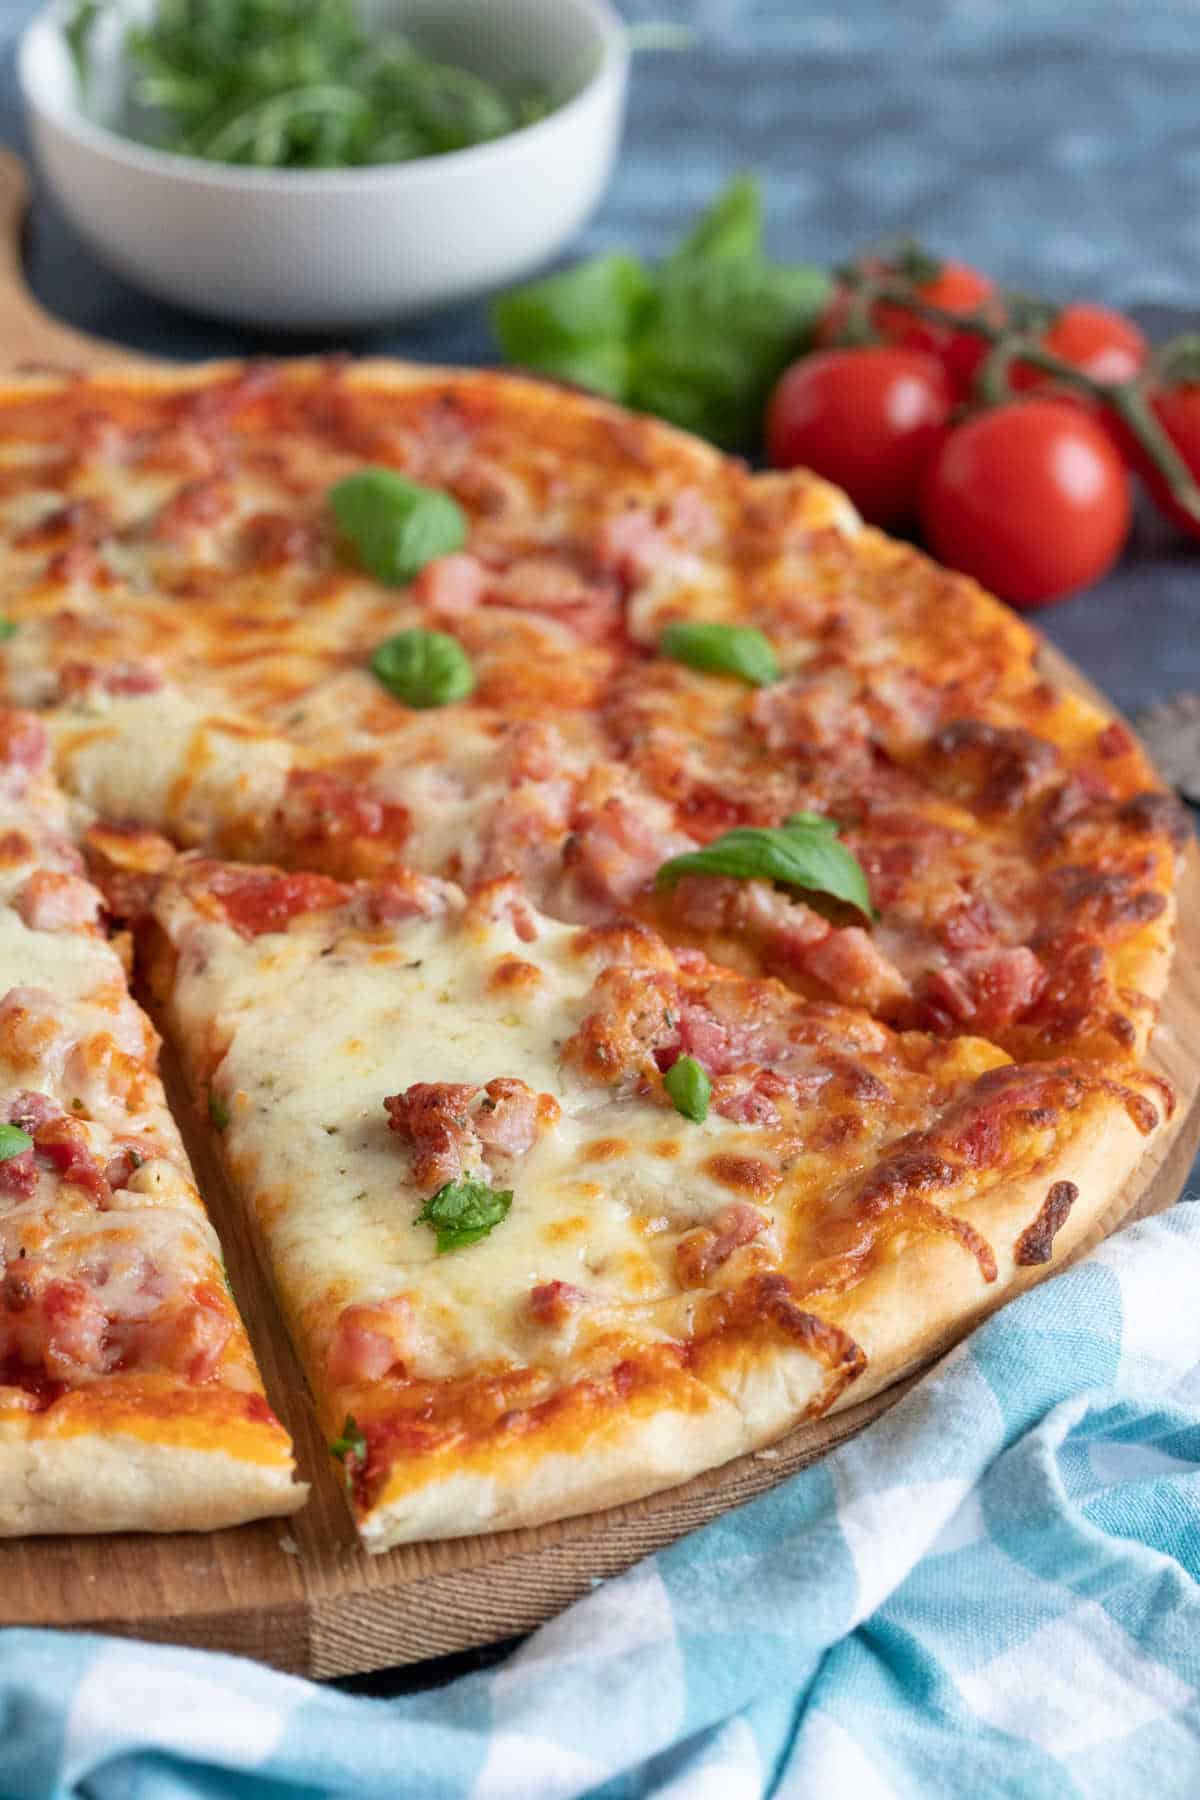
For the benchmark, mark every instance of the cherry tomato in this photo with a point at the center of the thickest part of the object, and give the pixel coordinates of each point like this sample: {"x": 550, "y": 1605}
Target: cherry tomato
{"x": 1101, "y": 343}
{"x": 1178, "y": 411}
{"x": 866, "y": 419}
{"x": 956, "y": 288}
{"x": 1031, "y": 498}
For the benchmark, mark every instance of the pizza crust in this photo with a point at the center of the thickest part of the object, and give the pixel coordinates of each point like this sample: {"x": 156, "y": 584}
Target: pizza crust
{"x": 763, "y": 1399}
{"x": 105, "y": 1481}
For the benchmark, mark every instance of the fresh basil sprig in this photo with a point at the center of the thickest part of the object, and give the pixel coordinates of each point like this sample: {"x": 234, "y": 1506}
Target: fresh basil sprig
{"x": 464, "y": 1211}
{"x": 13, "y": 1142}
{"x": 689, "y": 1088}
{"x": 8, "y": 628}
{"x": 396, "y": 526}
{"x": 804, "y": 852}
{"x": 218, "y": 1111}
{"x": 698, "y": 340}
{"x": 722, "y": 650}
{"x": 424, "y": 668}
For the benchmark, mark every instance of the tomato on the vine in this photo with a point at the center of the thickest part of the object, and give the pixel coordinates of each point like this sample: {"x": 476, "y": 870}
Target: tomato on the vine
{"x": 867, "y": 419}
{"x": 954, "y": 288}
{"x": 1031, "y": 498}
{"x": 1178, "y": 412}
{"x": 1097, "y": 341}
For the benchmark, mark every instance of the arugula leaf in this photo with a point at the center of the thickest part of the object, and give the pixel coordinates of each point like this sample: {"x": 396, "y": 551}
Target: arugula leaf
{"x": 424, "y": 668}
{"x": 464, "y": 1211}
{"x": 8, "y": 628}
{"x": 13, "y": 1142}
{"x": 722, "y": 650}
{"x": 297, "y": 84}
{"x": 803, "y": 852}
{"x": 690, "y": 1089}
{"x": 77, "y": 30}
{"x": 396, "y": 526}
{"x": 699, "y": 341}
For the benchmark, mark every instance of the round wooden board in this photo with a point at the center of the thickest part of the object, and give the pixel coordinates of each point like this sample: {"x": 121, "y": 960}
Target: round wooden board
{"x": 300, "y": 1593}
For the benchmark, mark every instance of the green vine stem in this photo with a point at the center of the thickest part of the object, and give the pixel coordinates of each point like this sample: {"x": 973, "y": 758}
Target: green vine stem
{"x": 1126, "y": 399}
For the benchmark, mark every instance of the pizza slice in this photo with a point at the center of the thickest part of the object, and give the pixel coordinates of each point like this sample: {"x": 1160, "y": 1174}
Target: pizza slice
{"x": 129, "y": 1397}
{"x": 559, "y": 1216}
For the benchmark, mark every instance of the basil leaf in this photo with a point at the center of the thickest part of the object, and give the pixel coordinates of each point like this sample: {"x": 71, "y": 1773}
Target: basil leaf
{"x": 424, "y": 668}
{"x": 689, "y": 1087}
{"x": 600, "y": 301}
{"x": 602, "y": 368}
{"x": 804, "y": 852}
{"x": 350, "y": 1443}
{"x": 700, "y": 340}
{"x": 464, "y": 1211}
{"x": 732, "y": 228}
{"x": 722, "y": 650}
{"x": 719, "y": 336}
{"x": 8, "y": 628}
{"x": 396, "y": 526}
{"x": 218, "y": 1112}
{"x": 13, "y": 1142}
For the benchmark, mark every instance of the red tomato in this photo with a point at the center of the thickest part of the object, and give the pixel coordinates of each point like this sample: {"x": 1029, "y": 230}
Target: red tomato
{"x": 866, "y": 419}
{"x": 1102, "y": 343}
{"x": 955, "y": 289}
{"x": 1178, "y": 411}
{"x": 1031, "y": 498}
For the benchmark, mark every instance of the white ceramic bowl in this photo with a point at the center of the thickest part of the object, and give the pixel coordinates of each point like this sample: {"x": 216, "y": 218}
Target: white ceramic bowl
{"x": 343, "y": 248}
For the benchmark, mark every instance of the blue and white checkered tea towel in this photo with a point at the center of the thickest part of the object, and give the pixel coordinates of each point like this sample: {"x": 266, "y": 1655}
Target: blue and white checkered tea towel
{"x": 992, "y": 1592}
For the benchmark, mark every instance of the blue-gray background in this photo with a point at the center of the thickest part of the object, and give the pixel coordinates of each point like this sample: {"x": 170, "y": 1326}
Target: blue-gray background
{"x": 1054, "y": 142}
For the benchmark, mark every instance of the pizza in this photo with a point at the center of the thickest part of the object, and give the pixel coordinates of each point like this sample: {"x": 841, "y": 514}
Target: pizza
{"x": 657, "y": 957}
{"x": 129, "y": 1397}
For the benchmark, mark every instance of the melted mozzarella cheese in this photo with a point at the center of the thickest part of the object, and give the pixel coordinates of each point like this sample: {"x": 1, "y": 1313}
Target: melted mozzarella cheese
{"x": 309, "y": 1144}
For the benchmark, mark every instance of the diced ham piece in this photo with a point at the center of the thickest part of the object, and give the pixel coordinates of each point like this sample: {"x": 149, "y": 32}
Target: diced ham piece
{"x": 18, "y": 1175}
{"x": 29, "y": 1110}
{"x": 503, "y": 901}
{"x": 618, "y": 845}
{"x": 852, "y": 965}
{"x": 188, "y": 1339}
{"x": 270, "y": 539}
{"x": 552, "y": 1303}
{"x": 197, "y": 507}
{"x": 84, "y": 680}
{"x": 52, "y": 1324}
{"x": 699, "y": 1253}
{"x": 63, "y": 1146}
{"x": 456, "y": 1128}
{"x": 988, "y": 992}
{"x": 450, "y": 585}
{"x": 632, "y": 545}
{"x": 369, "y": 1342}
{"x": 406, "y": 895}
{"x": 24, "y": 751}
{"x": 506, "y": 1119}
{"x": 53, "y": 902}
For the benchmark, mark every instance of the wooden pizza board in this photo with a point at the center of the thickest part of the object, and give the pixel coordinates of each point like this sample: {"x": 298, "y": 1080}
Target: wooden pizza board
{"x": 299, "y": 1593}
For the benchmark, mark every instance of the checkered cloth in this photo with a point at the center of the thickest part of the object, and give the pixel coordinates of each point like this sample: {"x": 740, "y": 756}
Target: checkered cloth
{"x": 990, "y": 1592}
